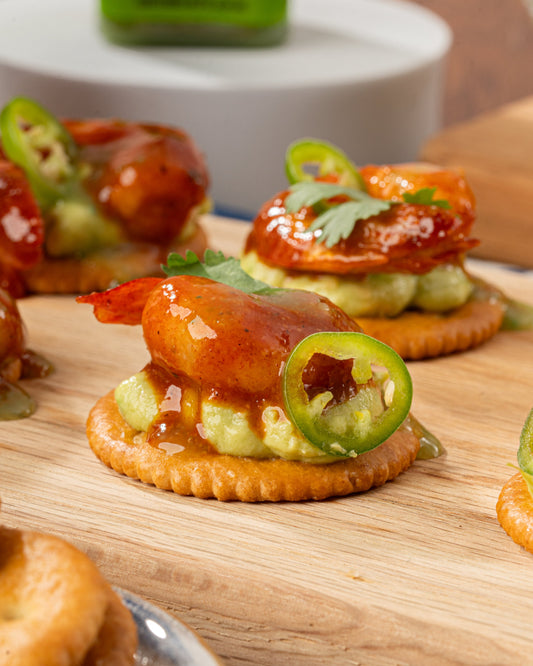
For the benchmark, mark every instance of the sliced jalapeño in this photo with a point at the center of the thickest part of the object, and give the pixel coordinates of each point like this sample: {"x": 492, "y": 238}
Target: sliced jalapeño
{"x": 525, "y": 452}
{"x": 36, "y": 141}
{"x": 310, "y": 159}
{"x": 346, "y": 392}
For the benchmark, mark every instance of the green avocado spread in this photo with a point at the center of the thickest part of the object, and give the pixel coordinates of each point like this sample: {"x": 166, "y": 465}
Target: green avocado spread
{"x": 228, "y": 430}
{"x": 444, "y": 288}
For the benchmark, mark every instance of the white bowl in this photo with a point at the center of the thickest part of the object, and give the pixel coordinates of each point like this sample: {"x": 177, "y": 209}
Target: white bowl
{"x": 364, "y": 74}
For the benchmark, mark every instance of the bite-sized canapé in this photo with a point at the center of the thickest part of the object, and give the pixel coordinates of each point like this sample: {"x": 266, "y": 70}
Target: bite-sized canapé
{"x": 16, "y": 362}
{"x": 87, "y": 204}
{"x": 515, "y": 502}
{"x": 251, "y": 393}
{"x": 387, "y": 244}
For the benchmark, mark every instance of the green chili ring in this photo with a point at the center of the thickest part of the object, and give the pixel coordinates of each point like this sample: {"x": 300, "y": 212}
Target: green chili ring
{"x": 368, "y": 354}
{"x": 525, "y": 452}
{"x": 17, "y": 121}
{"x": 327, "y": 158}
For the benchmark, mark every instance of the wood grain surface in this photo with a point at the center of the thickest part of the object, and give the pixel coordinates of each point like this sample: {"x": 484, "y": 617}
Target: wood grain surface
{"x": 415, "y": 572}
{"x": 496, "y": 152}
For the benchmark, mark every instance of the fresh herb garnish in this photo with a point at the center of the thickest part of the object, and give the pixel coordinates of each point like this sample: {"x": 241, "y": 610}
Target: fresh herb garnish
{"x": 217, "y": 267}
{"x": 425, "y": 196}
{"x": 309, "y": 193}
{"x": 338, "y": 221}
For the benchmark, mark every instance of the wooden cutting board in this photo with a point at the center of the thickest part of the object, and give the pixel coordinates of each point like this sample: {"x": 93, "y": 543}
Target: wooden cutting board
{"x": 496, "y": 152}
{"x": 415, "y": 572}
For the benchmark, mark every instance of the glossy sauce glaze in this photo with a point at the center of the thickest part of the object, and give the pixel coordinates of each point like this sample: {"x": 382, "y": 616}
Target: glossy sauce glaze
{"x": 391, "y": 181}
{"x": 21, "y": 227}
{"x": 229, "y": 340}
{"x": 408, "y": 237}
{"x": 16, "y": 362}
{"x": 147, "y": 177}
{"x": 178, "y": 428}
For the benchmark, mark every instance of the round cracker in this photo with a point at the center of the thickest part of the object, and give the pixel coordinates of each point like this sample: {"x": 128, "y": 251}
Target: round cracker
{"x": 515, "y": 511}
{"x": 116, "y": 642}
{"x": 418, "y": 335}
{"x": 101, "y": 270}
{"x": 224, "y": 477}
{"x": 53, "y": 600}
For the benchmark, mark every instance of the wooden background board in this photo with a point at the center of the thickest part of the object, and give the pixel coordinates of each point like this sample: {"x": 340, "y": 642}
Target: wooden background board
{"x": 415, "y": 572}
{"x": 496, "y": 152}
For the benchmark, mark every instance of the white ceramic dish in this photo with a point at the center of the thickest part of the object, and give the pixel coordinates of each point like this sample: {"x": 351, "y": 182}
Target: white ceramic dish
{"x": 364, "y": 74}
{"x": 163, "y": 640}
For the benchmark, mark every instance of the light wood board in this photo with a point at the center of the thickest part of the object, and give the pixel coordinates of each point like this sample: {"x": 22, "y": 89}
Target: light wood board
{"x": 496, "y": 152}
{"x": 415, "y": 572}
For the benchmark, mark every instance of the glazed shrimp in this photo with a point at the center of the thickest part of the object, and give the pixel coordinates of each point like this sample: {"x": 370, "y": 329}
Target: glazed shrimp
{"x": 150, "y": 178}
{"x": 390, "y": 181}
{"x": 215, "y": 334}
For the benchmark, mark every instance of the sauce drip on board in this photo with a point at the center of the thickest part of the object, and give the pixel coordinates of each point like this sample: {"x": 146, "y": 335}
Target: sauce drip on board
{"x": 15, "y": 403}
{"x": 16, "y": 362}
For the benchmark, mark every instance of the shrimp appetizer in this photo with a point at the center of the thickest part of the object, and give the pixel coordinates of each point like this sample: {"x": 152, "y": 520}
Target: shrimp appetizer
{"x": 87, "y": 204}
{"x": 385, "y": 243}
{"x": 252, "y": 393}
{"x": 16, "y": 362}
{"x": 515, "y": 503}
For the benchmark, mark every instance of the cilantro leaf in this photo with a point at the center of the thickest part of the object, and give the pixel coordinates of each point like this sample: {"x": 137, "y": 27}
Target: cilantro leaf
{"x": 425, "y": 196}
{"x": 339, "y": 222}
{"x": 217, "y": 267}
{"x": 309, "y": 193}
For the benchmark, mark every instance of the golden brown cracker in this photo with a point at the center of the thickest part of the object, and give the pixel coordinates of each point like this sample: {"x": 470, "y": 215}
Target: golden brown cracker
{"x": 53, "y": 600}
{"x": 417, "y": 335}
{"x": 116, "y": 642}
{"x": 106, "y": 268}
{"x": 207, "y": 475}
{"x": 515, "y": 511}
